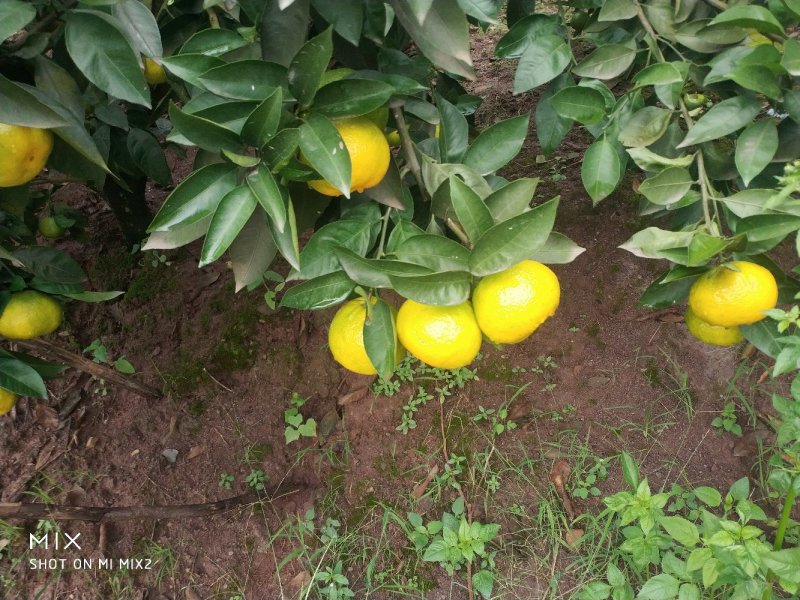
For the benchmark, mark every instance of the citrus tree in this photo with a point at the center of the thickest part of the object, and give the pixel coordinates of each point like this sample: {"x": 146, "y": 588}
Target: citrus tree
{"x": 693, "y": 106}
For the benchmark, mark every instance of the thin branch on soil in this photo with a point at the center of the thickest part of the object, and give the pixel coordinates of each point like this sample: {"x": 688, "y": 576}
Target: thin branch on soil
{"x": 87, "y": 366}
{"x": 102, "y": 514}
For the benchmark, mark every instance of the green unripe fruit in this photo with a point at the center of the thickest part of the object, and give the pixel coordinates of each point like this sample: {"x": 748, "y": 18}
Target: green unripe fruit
{"x": 49, "y": 228}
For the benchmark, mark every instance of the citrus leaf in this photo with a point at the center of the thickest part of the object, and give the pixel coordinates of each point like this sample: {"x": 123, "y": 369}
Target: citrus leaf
{"x": 496, "y": 145}
{"x": 263, "y": 122}
{"x": 324, "y": 149}
{"x": 524, "y": 32}
{"x": 755, "y": 148}
{"x": 551, "y": 128}
{"x": 252, "y": 251}
{"x": 579, "y": 103}
{"x": 139, "y": 26}
{"x": 606, "y": 62}
{"x": 470, "y": 210}
{"x": 213, "y": 42}
{"x": 749, "y": 17}
{"x": 286, "y": 240}
{"x": 513, "y": 240}
{"x": 21, "y": 378}
{"x": 645, "y": 127}
{"x": 308, "y": 65}
{"x": 14, "y": 15}
{"x": 512, "y": 199}
{"x": 284, "y": 28}
{"x": 434, "y": 252}
{"x": 375, "y": 273}
{"x": 190, "y": 67}
{"x": 454, "y": 132}
{"x": 440, "y": 289}
{"x": 557, "y": 250}
{"x": 102, "y": 53}
{"x": 50, "y": 264}
{"x": 229, "y": 219}
{"x": 202, "y": 132}
{"x": 617, "y": 10}
{"x": 722, "y": 119}
{"x": 666, "y": 187}
{"x": 146, "y": 153}
{"x": 318, "y": 256}
{"x": 351, "y": 97}
{"x": 380, "y": 338}
{"x": 346, "y": 16}
{"x": 196, "y": 197}
{"x": 544, "y": 60}
{"x": 244, "y": 79}
{"x": 269, "y": 196}
{"x": 318, "y": 293}
{"x": 178, "y": 236}
{"x": 601, "y": 169}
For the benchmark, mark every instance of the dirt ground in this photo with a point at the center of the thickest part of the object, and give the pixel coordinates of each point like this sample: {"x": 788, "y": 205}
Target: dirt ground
{"x": 600, "y": 377}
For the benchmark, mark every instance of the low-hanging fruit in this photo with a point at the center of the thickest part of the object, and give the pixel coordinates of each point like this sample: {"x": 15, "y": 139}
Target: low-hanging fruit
{"x": 30, "y": 314}
{"x": 512, "y": 304}
{"x": 49, "y": 228}
{"x": 154, "y": 73}
{"x": 23, "y": 153}
{"x": 7, "y": 401}
{"x": 369, "y": 155}
{"x": 715, "y": 335}
{"x": 346, "y": 338}
{"x": 736, "y": 293}
{"x": 446, "y": 337}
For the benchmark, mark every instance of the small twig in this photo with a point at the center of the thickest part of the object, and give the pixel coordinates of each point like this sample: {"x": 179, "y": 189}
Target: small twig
{"x": 39, "y": 26}
{"x": 102, "y": 514}
{"x": 407, "y": 145}
{"x": 88, "y": 366}
{"x": 459, "y": 231}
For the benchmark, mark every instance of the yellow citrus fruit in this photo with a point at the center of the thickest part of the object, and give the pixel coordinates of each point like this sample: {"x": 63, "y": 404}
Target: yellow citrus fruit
{"x": 23, "y": 153}
{"x": 734, "y": 294}
{"x": 711, "y": 334}
{"x": 446, "y": 337}
{"x": 49, "y": 228}
{"x": 510, "y": 305}
{"x": 346, "y": 339}
{"x": 369, "y": 155}
{"x": 30, "y": 314}
{"x": 153, "y": 72}
{"x": 7, "y": 401}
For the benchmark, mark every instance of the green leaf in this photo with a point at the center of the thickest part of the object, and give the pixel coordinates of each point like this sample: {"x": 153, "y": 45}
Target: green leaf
{"x": 283, "y": 30}
{"x": 647, "y": 160}
{"x": 442, "y": 35}
{"x": 252, "y": 251}
{"x": 660, "y": 587}
{"x": 766, "y": 227}
{"x": 380, "y": 339}
{"x": 266, "y": 191}
{"x": 722, "y": 119}
{"x": 606, "y": 62}
{"x": 664, "y": 292}
{"x": 630, "y": 470}
{"x": 123, "y": 365}
{"x": 103, "y": 54}
{"x": 202, "y": 132}
{"x": 483, "y": 582}
{"x": 579, "y": 103}
{"x": 375, "y": 273}
{"x": 436, "y": 551}
{"x": 512, "y": 199}
{"x": 764, "y": 335}
{"x": 660, "y": 74}
{"x": 213, "y": 42}
{"x": 196, "y": 197}
{"x": 496, "y": 145}
{"x": 324, "y": 149}
{"x": 54, "y": 80}
{"x": 229, "y": 219}
{"x": 750, "y": 17}
{"x": 178, "y": 236}
{"x": 263, "y": 122}
{"x": 139, "y": 26}
{"x": 689, "y": 591}
{"x": 708, "y": 496}
{"x": 441, "y": 289}
{"x": 281, "y": 148}
{"x": 318, "y": 256}
{"x": 645, "y": 127}
{"x": 146, "y": 153}
{"x": 470, "y": 210}
{"x": 244, "y": 79}
{"x": 286, "y": 240}
{"x": 93, "y": 296}
{"x": 615, "y": 577}
{"x": 308, "y": 65}
{"x": 454, "y": 131}
{"x": 601, "y": 169}
{"x": 791, "y": 57}
{"x": 50, "y": 264}
{"x": 20, "y": 378}
{"x": 512, "y": 241}
{"x": 617, "y": 10}
{"x": 784, "y": 563}
{"x": 666, "y": 187}
{"x": 351, "y": 97}
{"x": 524, "y": 32}
{"x": 551, "y": 128}
{"x": 682, "y": 530}
{"x": 434, "y": 252}
{"x": 191, "y": 67}
{"x": 346, "y": 16}
{"x": 557, "y": 250}
{"x": 14, "y": 15}
{"x": 544, "y": 60}
{"x": 318, "y": 293}
{"x": 485, "y": 11}
{"x": 755, "y": 148}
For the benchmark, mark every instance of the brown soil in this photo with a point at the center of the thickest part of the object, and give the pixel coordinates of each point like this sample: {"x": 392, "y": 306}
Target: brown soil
{"x": 626, "y": 379}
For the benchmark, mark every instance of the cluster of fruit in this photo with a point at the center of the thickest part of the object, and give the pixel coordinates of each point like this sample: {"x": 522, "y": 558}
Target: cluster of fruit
{"x": 726, "y": 297}
{"x": 506, "y": 307}
{"x": 29, "y": 314}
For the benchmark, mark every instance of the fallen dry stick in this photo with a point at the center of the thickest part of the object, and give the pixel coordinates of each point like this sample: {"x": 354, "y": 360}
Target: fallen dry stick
{"x": 101, "y": 514}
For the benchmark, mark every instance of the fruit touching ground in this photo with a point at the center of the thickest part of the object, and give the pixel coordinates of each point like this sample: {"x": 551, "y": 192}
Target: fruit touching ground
{"x": 733, "y": 294}
{"x": 23, "y": 153}
{"x": 346, "y": 338}
{"x": 446, "y": 337}
{"x": 510, "y": 305}
{"x": 30, "y": 314}
{"x": 715, "y": 335}
{"x": 369, "y": 155}
{"x": 7, "y": 401}
{"x": 154, "y": 72}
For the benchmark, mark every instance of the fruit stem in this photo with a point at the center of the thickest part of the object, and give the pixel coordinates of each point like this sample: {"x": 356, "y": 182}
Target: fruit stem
{"x": 213, "y": 19}
{"x": 407, "y": 146}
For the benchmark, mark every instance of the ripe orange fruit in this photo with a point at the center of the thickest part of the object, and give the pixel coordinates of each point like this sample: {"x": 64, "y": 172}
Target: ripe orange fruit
{"x": 30, "y": 314}
{"x": 711, "y": 334}
{"x": 23, "y": 153}
{"x": 154, "y": 72}
{"x": 346, "y": 338}
{"x": 733, "y": 294}
{"x": 7, "y": 401}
